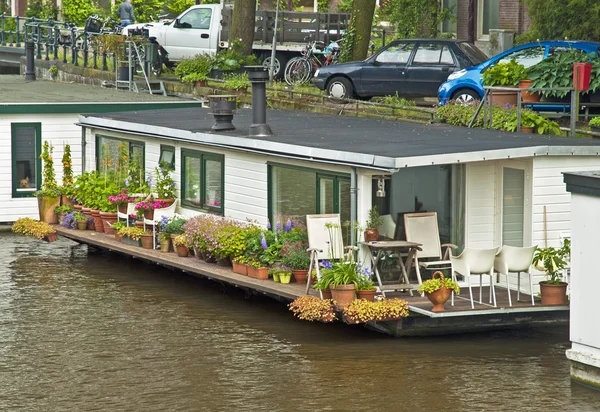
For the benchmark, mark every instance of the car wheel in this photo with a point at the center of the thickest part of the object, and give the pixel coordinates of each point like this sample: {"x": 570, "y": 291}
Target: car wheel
{"x": 465, "y": 96}
{"x": 280, "y": 62}
{"x": 340, "y": 88}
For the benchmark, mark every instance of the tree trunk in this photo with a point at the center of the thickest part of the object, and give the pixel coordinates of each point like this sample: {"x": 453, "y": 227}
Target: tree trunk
{"x": 362, "y": 21}
{"x": 242, "y": 26}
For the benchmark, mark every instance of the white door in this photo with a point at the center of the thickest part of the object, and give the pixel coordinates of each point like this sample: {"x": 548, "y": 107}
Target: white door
{"x": 190, "y": 34}
{"x": 514, "y": 204}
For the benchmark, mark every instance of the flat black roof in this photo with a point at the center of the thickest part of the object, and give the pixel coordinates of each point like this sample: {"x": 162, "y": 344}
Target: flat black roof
{"x": 395, "y": 139}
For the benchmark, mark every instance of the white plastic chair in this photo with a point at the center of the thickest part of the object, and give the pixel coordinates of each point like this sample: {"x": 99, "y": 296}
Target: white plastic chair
{"x": 517, "y": 260}
{"x": 130, "y": 211}
{"x": 158, "y": 215}
{"x": 473, "y": 262}
{"x": 388, "y": 227}
{"x": 423, "y": 228}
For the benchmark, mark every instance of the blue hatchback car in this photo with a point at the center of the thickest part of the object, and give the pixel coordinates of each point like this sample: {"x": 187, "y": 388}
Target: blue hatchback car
{"x": 466, "y": 85}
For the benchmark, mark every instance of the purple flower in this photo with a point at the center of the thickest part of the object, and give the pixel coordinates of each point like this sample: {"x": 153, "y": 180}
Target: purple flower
{"x": 149, "y": 181}
{"x": 288, "y": 226}
{"x": 508, "y": 105}
{"x": 263, "y": 242}
{"x": 292, "y": 224}
{"x": 327, "y": 264}
{"x": 278, "y": 226}
{"x": 268, "y": 225}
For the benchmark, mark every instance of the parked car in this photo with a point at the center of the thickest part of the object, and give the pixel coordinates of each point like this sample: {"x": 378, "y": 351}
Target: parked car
{"x": 466, "y": 85}
{"x": 410, "y": 68}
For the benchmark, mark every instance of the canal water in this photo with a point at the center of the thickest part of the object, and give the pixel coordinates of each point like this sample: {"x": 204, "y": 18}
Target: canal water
{"x": 84, "y": 330}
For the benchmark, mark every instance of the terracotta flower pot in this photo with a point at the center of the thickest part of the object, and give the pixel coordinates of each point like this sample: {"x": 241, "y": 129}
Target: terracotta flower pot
{"x": 239, "y": 268}
{"x": 439, "y": 298}
{"x": 51, "y": 237}
{"x": 366, "y": 295}
{"x": 117, "y": 236}
{"x": 146, "y": 241}
{"x": 504, "y": 97}
{"x": 528, "y": 97}
{"x": 98, "y": 227}
{"x": 326, "y": 294}
{"x": 300, "y": 276}
{"x": 525, "y": 129}
{"x": 553, "y": 294}
{"x": 182, "y": 251}
{"x": 66, "y": 200}
{"x": 108, "y": 218}
{"x": 371, "y": 235}
{"x": 46, "y": 205}
{"x": 343, "y": 295}
{"x": 258, "y": 273}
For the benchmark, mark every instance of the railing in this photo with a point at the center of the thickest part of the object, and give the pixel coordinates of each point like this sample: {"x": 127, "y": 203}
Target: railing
{"x": 489, "y": 92}
{"x": 55, "y": 40}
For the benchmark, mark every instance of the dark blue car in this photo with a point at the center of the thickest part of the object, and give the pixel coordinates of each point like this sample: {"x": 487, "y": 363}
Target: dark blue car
{"x": 411, "y": 68}
{"x": 466, "y": 85}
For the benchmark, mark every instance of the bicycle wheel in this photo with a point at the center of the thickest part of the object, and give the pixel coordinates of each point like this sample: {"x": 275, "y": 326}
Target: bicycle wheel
{"x": 297, "y": 71}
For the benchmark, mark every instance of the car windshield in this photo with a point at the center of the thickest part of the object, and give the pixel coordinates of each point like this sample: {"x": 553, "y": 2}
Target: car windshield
{"x": 473, "y": 53}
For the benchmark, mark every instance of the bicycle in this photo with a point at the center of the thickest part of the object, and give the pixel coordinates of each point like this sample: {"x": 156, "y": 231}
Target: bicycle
{"x": 94, "y": 27}
{"x": 299, "y": 70}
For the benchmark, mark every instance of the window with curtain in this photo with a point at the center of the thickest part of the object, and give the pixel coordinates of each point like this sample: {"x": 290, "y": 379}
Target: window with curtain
{"x": 449, "y": 25}
{"x": 26, "y": 145}
{"x": 438, "y": 189}
{"x": 297, "y": 192}
{"x": 202, "y": 180}
{"x": 489, "y": 10}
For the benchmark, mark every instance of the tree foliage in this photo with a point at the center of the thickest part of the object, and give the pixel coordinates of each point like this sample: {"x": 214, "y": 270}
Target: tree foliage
{"x": 77, "y": 11}
{"x": 42, "y": 9}
{"x": 557, "y": 19}
{"x": 416, "y": 18}
{"x": 144, "y": 10}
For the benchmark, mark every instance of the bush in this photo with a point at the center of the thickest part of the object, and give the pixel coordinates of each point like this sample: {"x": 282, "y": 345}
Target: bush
{"x": 559, "y": 19}
{"x": 198, "y": 66}
{"x": 503, "y": 118}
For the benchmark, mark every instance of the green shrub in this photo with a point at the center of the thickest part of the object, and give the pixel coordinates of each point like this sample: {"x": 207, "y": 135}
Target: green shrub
{"x": 199, "y": 66}
{"x": 595, "y": 122}
{"x": 77, "y": 11}
{"x": 504, "y": 74}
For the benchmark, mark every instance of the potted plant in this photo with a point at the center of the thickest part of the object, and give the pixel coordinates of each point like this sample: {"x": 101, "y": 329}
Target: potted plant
{"x": 121, "y": 200}
{"x": 34, "y": 228}
{"x": 595, "y": 124}
{"x": 363, "y": 311}
{"x": 508, "y": 75}
{"x": 164, "y": 239}
{"x": 166, "y": 189}
{"x": 372, "y": 225}
{"x": 525, "y": 83}
{"x": 116, "y": 227}
{"x": 553, "y": 261}
{"x": 343, "y": 279}
{"x": 312, "y": 309}
{"x": 365, "y": 287}
{"x": 438, "y": 290}
{"x": 324, "y": 282}
{"x": 295, "y": 256}
{"x": 237, "y": 82}
{"x": 48, "y": 196}
{"x": 146, "y": 207}
{"x": 194, "y": 70}
{"x": 66, "y": 190}
{"x": 181, "y": 244}
{"x": 61, "y": 211}
{"x": 239, "y": 265}
{"x": 257, "y": 270}
{"x": 81, "y": 219}
{"x": 131, "y": 235}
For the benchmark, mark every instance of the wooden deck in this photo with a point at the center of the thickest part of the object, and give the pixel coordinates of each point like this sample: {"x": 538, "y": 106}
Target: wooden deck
{"x": 421, "y": 321}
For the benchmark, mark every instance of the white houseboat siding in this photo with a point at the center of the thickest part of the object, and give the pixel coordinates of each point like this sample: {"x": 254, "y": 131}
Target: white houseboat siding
{"x": 58, "y": 130}
{"x": 246, "y": 189}
{"x": 546, "y": 188}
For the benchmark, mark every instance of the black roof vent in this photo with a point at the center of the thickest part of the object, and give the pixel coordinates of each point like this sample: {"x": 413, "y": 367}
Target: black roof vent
{"x": 223, "y": 107}
{"x": 258, "y": 75}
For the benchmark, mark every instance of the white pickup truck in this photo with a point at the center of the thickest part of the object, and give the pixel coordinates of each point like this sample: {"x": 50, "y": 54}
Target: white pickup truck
{"x": 205, "y": 29}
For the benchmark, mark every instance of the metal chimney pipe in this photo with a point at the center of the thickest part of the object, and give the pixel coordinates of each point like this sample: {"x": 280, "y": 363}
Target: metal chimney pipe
{"x": 259, "y": 75}
{"x": 29, "y": 61}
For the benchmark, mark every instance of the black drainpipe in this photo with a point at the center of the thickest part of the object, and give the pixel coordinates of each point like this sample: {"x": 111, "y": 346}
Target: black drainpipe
{"x": 259, "y": 75}
{"x": 83, "y": 149}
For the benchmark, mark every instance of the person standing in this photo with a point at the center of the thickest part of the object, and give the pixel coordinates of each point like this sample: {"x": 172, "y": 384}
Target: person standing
{"x": 125, "y": 13}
